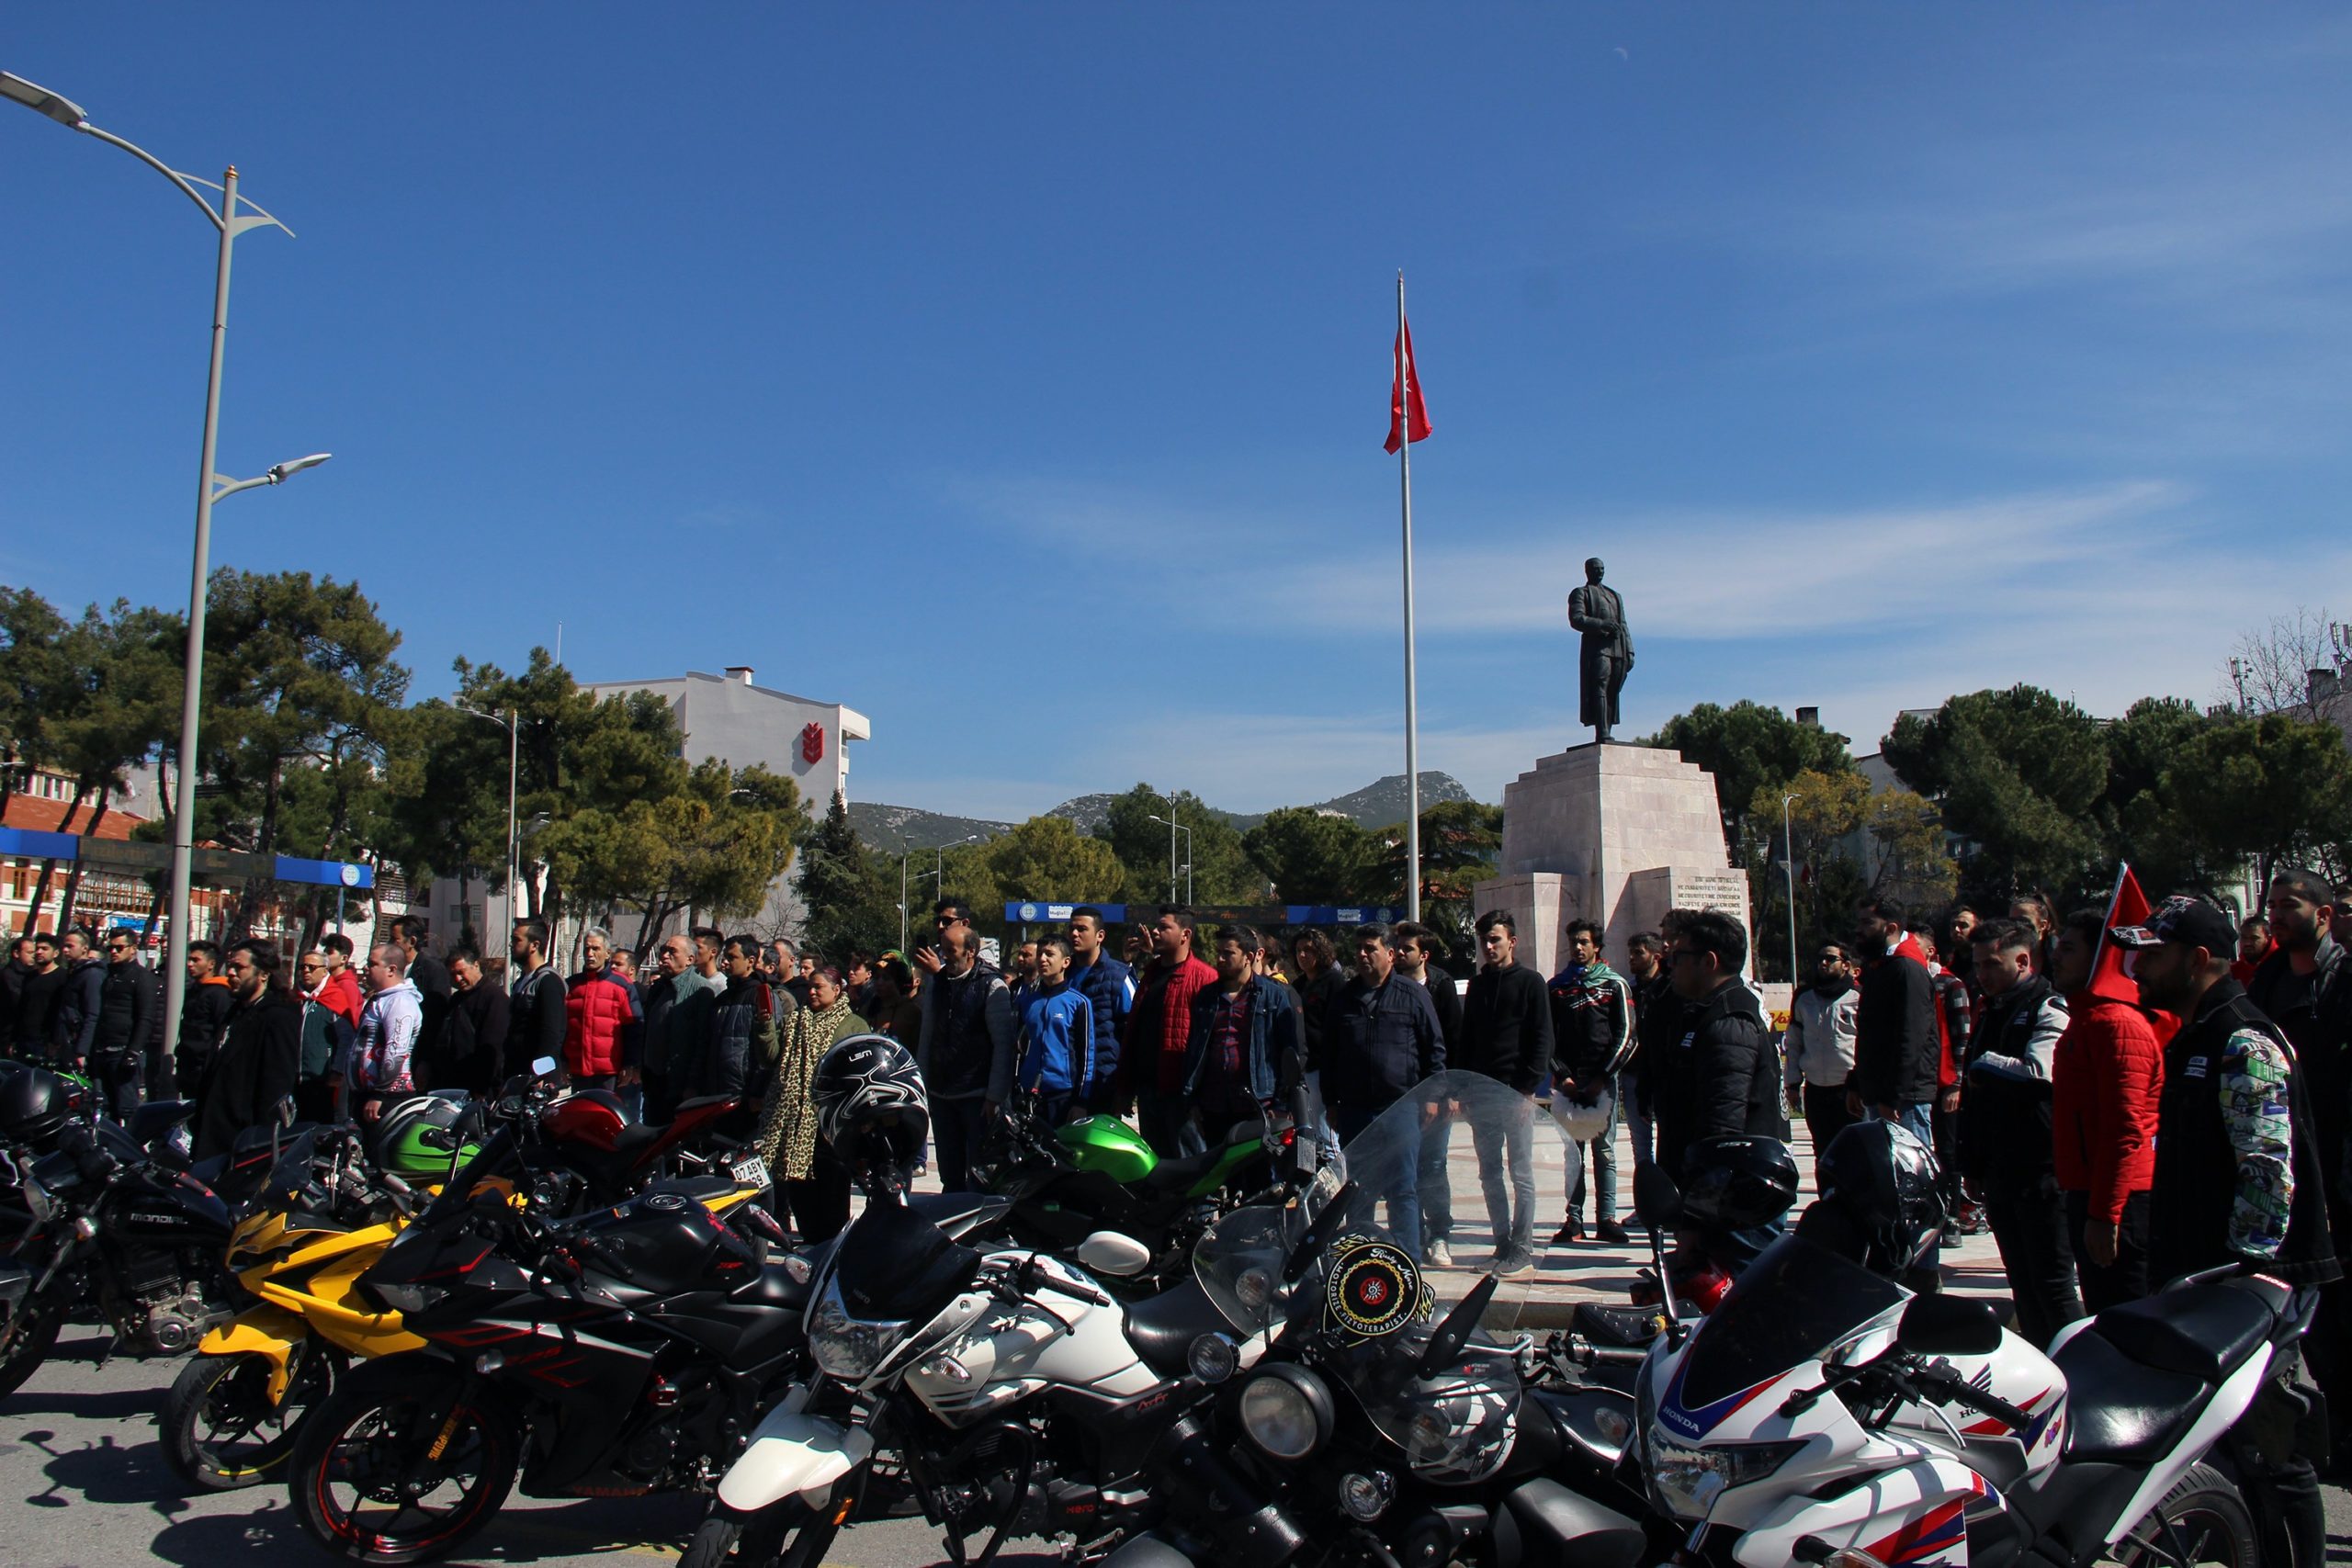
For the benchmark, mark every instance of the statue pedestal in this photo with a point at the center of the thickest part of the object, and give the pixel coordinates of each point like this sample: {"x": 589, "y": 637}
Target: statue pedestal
{"x": 1613, "y": 834}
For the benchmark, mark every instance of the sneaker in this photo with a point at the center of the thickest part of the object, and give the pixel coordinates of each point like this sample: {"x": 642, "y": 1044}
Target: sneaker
{"x": 1613, "y": 1233}
{"x": 1571, "y": 1230}
{"x": 1437, "y": 1255}
{"x": 1513, "y": 1262}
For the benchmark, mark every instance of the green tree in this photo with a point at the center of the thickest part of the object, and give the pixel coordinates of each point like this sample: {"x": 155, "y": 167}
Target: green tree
{"x": 1222, "y": 869}
{"x": 1914, "y": 865}
{"x": 1750, "y": 749}
{"x": 1829, "y": 809}
{"x": 38, "y": 680}
{"x": 128, "y": 660}
{"x": 850, "y": 893}
{"x": 1048, "y": 857}
{"x": 715, "y": 845}
{"x": 2018, "y": 775}
{"x": 1312, "y": 858}
{"x": 2131, "y": 813}
{"x": 2275, "y": 790}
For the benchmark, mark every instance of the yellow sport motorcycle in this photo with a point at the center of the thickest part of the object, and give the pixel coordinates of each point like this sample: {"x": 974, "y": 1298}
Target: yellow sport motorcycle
{"x": 326, "y": 1215}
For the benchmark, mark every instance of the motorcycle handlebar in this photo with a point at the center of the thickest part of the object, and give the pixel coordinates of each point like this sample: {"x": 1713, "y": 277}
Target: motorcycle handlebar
{"x": 1944, "y": 1380}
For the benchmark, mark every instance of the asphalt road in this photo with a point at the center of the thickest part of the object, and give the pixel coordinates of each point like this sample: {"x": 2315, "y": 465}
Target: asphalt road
{"x": 83, "y": 1485}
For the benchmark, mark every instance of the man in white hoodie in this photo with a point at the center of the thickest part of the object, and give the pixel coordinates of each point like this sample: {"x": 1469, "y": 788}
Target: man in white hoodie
{"x": 388, "y": 1026}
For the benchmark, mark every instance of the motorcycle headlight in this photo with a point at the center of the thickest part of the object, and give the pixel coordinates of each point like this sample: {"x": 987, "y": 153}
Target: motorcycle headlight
{"x": 1686, "y": 1481}
{"x": 848, "y": 1347}
{"x": 1286, "y": 1411}
{"x": 406, "y": 1299}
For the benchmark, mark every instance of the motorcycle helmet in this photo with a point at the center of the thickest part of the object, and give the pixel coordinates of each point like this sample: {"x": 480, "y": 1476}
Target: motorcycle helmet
{"x": 34, "y": 1103}
{"x": 1581, "y": 1120}
{"x": 417, "y": 1138}
{"x": 1879, "y": 1205}
{"x": 870, "y": 1103}
{"x": 1736, "y": 1181}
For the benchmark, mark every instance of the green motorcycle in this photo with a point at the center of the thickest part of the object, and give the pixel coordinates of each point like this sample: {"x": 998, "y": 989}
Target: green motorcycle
{"x": 1097, "y": 1174}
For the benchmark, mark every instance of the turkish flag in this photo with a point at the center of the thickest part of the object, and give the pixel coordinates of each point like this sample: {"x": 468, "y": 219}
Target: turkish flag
{"x": 1408, "y": 416}
{"x": 2126, "y": 906}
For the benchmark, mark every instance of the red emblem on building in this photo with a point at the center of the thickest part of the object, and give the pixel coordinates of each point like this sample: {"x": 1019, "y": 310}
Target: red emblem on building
{"x": 812, "y": 744}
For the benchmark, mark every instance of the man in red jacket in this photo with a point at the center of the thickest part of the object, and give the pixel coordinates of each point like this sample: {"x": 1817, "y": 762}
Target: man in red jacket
{"x": 1159, "y": 1031}
{"x": 602, "y": 1020}
{"x": 2109, "y": 1073}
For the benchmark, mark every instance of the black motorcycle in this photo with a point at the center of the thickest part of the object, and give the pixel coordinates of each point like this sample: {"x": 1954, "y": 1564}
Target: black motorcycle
{"x": 624, "y": 1353}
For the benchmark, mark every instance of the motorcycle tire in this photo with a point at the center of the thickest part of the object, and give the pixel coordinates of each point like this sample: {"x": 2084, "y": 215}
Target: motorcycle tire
{"x": 767, "y": 1540}
{"x": 359, "y": 1446}
{"x": 36, "y": 1337}
{"x": 2210, "y": 1518}
{"x": 216, "y": 1392}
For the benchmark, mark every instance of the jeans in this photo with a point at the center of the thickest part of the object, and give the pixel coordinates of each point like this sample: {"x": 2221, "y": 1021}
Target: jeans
{"x": 2126, "y": 1279}
{"x": 1643, "y": 1125}
{"x": 632, "y": 1096}
{"x": 1604, "y": 1172}
{"x": 1510, "y": 1214}
{"x": 1053, "y": 1109}
{"x": 1917, "y": 1118}
{"x": 2030, "y": 1225}
{"x": 1404, "y": 1198}
{"x": 957, "y": 1126}
{"x": 115, "y": 1075}
{"x": 1436, "y": 1187}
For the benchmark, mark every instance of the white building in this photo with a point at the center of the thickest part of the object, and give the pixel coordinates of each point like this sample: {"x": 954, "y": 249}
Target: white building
{"x": 723, "y": 717}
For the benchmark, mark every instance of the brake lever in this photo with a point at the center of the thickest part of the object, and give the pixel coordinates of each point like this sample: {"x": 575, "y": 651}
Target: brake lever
{"x": 1941, "y": 1376}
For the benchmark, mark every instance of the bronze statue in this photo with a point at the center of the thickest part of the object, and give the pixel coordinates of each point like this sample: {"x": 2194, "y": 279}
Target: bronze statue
{"x": 1608, "y": 651}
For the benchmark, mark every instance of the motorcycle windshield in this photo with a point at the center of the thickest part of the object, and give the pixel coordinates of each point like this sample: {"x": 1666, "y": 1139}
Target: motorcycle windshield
{"x": 1792, "y": 1305}
{"x": 1459, "y": 1159}
{"x": 293, "y": 1182}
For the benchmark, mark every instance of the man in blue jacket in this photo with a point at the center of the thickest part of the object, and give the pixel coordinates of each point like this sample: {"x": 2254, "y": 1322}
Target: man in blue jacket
{"x": 1246, "y": 1048}
{"x": 1109, "y": 988}
{"x": 1055, "y": 1065}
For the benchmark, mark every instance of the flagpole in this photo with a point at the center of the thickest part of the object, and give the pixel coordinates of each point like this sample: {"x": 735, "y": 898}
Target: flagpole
{"x": 1405, "y": 372}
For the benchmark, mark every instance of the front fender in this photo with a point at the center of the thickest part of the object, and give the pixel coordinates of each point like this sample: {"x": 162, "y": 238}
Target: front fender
{"x": 792, "y": 1453}
{"x": 268, "y": 1332}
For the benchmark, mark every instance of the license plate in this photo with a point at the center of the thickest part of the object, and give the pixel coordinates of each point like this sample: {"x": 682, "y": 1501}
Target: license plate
{"x": 750, "y": 1170}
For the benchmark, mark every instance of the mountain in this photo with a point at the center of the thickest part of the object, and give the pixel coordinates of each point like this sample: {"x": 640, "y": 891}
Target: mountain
{"x": 1381, "y": 803}
{"x": 897, "y": 829}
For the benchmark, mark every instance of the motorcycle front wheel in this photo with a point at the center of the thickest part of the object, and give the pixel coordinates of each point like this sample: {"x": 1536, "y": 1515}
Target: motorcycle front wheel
{"x": 36, "y": 1329}
{"x": 2210, "y": 1519}
{"x": 219, "y": 1430}
{"x": 787, "y": 1536}
{"x": 365, "y": 1480}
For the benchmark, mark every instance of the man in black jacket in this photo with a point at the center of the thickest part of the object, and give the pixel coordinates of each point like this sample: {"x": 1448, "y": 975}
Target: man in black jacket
{"x": 1719, "y": 1077}
{"x": 437, "y": 993}
{"x": 260, "y": 1054}
{"x": 1898, "y": 1052}
{"x": 1592, "y": 1033}
{"x": 37, "y": 1000}
{"x": 204, "y": 1013}
{"x": 12, "y": 990}
{"x": 2005, "y": 1127}
{"x": 126, "y": 1000}
{"x": 472, "y": 1052}
{"x": 77, "y": 1029}
{"x": 1507, "y": 1036}
{"x": 1381, "y": 1037}
{"x": 534, "y": 995}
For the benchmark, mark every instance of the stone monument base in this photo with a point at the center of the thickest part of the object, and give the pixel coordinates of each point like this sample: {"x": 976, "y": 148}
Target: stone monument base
{"x": 1613, "y": 834}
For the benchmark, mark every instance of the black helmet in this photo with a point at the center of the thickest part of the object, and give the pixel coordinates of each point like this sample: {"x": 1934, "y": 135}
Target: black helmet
{"x": 1878, "y": 1204}
{"x": 1736, "y": 1181}
{"x": 870, "y": 1103}
{"x": 34, "y": 1103}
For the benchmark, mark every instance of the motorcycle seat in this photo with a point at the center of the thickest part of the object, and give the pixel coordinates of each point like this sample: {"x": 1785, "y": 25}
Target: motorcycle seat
{"x": 1180, "y": 1175}
{"x": 2203, "y": 1332}
{"x": 2120, "y": 1410}
{"x": 1162, "y": 1327}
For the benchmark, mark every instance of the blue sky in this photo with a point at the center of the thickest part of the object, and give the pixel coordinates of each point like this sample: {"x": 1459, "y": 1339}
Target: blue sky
{"x": 1017, "y": 374}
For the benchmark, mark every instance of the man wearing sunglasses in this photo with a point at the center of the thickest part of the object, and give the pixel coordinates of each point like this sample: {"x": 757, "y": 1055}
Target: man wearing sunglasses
{"x": 125, "y": 1008}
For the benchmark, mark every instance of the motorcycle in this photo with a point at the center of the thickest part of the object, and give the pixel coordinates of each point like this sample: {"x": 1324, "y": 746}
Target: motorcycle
{"x": 1386, "y": 1424}
{"x": 625, "y": 1352}
{"x": 1006, "y": 1393}
{"x": 326, "y": 1217}
{"x": 1096, "y": 1173}
{"x": 1806, "y": 1419}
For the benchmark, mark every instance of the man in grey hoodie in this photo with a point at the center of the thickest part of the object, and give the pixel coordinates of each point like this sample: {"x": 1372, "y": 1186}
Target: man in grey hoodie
{"x": 388, "y": 1026}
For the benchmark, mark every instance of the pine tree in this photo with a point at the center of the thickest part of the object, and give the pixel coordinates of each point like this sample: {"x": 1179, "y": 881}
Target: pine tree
{"x": 845, "y": 890}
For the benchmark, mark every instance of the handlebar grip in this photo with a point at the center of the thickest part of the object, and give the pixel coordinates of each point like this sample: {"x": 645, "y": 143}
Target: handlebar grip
{"x": 1946, "y": 1379}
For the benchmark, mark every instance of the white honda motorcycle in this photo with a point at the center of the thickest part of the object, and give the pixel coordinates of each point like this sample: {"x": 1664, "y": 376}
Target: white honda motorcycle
{"x": 1824, "y": 1415}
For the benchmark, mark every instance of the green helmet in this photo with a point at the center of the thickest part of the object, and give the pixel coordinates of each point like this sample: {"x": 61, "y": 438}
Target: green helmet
{"x": 1108, "y": 1144}
{"x": 415, "y": 1139}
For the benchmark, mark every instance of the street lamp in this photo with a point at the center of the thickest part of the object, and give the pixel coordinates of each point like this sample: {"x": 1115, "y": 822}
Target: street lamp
{"x": 210, "y": 488}
{"x": 1789, "y": 867}
{"x": 1175, "y": 827}
{"x": 514, "y": 756}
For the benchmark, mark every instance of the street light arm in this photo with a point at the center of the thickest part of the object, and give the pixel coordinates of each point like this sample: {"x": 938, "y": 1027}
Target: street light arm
{"x": 181, "y": 180}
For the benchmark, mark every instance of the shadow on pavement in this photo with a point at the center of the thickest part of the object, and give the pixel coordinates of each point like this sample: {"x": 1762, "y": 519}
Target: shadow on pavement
{"x": 87, "y": 1404}
{"x": 104, "y": 1471}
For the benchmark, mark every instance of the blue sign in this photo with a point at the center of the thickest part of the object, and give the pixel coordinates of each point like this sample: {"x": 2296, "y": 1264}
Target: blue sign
{"x": 38, "y": 846}
{"x": 1041, "y": 912}
{"x": 326, "y": 873}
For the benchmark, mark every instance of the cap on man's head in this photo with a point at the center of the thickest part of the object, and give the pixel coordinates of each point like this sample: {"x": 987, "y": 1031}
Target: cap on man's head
{"x": 2191, "y": 921}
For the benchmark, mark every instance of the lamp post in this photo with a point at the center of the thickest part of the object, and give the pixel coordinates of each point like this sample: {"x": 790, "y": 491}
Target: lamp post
{"x": 903, "y": 859}
{"x": 1174, "y": 828}
{"x": 1789, "y": 868}
{"x": 210, "y": 487}
{"x": 512, "y": 723}
{"x": 1171, "y": 822}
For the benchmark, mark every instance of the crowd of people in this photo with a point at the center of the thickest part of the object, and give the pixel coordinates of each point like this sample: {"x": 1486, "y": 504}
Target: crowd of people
{"x": 2119, "y": 1106}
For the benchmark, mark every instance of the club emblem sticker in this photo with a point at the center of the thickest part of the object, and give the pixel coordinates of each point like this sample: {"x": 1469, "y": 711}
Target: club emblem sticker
{"x": 1374, "y": 1288}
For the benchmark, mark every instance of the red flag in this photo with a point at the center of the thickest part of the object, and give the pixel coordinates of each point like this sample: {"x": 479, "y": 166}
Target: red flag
{"x": 2126, "y": 906}
{"x": 1405, "y": 403}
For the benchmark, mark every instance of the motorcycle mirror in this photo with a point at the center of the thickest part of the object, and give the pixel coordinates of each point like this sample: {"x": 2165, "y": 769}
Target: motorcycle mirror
{"x": 1949, "y": 1326}
{"x": 1108, "y": 1252}
{"x": 1656, "y": 1200}
{"x": 1319, "y": 1231}
{"x": 1454, "y": 1332}
{"x": 399, "y": 1193}
{"x": 544, "y": 1068}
